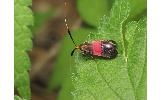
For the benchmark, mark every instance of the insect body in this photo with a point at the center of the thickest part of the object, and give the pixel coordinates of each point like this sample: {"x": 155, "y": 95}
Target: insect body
{"x": 98, "y": 48}
{"x": 101, "y": 48}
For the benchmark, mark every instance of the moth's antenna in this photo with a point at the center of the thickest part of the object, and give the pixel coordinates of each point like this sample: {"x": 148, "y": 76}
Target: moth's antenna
{"x": 65, "y": 4}
{"x": 73, "y": 51}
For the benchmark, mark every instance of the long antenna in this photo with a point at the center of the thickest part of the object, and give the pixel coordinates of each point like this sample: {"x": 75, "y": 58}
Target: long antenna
{"x": 68, "y": 26}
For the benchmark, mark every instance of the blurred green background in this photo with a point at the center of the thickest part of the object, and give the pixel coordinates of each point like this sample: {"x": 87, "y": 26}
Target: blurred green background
{"x": 52, "y": 65}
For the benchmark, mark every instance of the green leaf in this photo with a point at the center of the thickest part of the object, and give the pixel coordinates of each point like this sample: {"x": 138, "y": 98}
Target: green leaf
{"x": 22, "y": 41}
{"x": 92, "y": 10}
{"x": 137, "y": 56}
{"x": 17, "y": 98}
{"x": 137, "y": 7}
{"x": 98, "y": 79}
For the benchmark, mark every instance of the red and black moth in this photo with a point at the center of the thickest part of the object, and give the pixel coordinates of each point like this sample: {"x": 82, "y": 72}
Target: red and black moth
{"x": 97, "y": 48}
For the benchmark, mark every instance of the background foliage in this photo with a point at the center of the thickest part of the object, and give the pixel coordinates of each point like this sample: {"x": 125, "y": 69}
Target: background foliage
{"x": 81, "y": 78}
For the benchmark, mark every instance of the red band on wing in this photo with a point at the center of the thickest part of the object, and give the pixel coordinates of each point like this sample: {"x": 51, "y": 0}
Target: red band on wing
{"x": 96, "y": 47}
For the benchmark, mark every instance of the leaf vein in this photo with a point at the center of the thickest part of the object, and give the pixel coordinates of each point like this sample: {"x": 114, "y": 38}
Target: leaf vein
{"x": 107, "y": 82}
